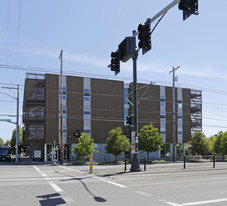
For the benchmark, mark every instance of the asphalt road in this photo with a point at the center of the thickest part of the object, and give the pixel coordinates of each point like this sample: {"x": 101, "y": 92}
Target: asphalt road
{"x": 160, "y": 185}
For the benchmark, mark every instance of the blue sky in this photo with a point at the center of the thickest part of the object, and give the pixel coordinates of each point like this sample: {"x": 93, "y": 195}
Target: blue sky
{"x": 32, "y": 33}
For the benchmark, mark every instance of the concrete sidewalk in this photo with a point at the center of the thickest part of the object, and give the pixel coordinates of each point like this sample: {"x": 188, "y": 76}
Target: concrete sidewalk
{"x": 119, "y": 169}
{"x": 113, "y": 170}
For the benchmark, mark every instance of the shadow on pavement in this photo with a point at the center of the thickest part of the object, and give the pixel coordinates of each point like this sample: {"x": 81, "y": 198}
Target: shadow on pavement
{"x": 96, "y": 198}
{"x": 51, "y": 200}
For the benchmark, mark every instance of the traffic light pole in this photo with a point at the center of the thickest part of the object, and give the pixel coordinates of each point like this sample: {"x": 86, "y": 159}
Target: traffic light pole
{"x": 163, "y": 11}
{"x": 135, "y": 165}
{"x": 167, "y": 8}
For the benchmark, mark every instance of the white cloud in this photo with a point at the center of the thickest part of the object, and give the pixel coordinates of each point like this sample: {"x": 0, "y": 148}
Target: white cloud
{"x": 186, "y": 69}
{"x": 198, "y": 70}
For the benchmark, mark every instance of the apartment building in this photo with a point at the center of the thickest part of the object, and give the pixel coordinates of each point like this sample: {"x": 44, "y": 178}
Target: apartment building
{"x": 95, "y": 106}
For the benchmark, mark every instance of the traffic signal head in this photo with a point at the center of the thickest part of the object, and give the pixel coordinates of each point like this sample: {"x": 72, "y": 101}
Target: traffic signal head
{"x": 19, "y": 144}
{"x": 77, "y": 134}
{"x": 144, "y": 37}
{"x": 189, "y": 7}
{"x": 129, "y": 120}
{"x": 115, "y": 62}
{"x": 127, "y": 48}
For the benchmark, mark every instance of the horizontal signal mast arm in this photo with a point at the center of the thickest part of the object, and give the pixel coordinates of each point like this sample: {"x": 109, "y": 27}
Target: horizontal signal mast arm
{"x": 167, "y": 8}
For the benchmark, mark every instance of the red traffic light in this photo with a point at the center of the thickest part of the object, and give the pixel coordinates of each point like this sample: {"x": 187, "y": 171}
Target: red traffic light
{"x": 144, "y": 37}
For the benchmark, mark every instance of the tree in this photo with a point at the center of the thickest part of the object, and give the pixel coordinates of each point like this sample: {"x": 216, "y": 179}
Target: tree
{"x": 117, "y": 143}
{"x": 1, "y": 142}
{"x": 85, "y": 147}
{"x": 7, "y": 143}
{"x": 220, "y": 144}
{"x": 13, "y": 141}
{"x": 149, "y": 139}
{"x": 198, "y": 144}
{"x": 210, "y": 141}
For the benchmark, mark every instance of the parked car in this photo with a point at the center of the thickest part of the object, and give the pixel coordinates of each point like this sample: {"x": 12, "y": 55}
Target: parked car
{"x": 5, "y": 154}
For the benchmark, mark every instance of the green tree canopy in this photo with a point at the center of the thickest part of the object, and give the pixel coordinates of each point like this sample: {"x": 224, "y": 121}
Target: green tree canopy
{"x": 1, "y": 142}
{"x": 13, "y": 140}
{"x": 7, "y": 143}
{"x": 199, "y": 144}
{"x": 220, "y": 144}
{"x": 210, "y": 141}
{"x": 117, "y": 143}
{"x": 149, "y": 139}
{"x": 85, "y": 146}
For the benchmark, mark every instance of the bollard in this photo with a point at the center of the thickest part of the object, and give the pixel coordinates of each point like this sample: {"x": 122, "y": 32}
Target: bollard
{"x": 214, "y": 161}
{"x": 91, "y": 164}
{"x": 145, "y": 168}
{"x": 125, "y": 165}
{"x": 184, "y": 162}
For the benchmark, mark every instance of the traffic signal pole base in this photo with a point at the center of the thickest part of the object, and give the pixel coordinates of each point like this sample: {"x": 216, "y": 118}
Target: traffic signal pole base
{"x": 135, "y": 165}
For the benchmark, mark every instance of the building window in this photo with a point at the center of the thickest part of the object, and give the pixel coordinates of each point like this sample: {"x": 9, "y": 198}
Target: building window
{"x": 162, "y": 98}
{"x": 162, "y": 120}
{"x": 162, "y": 104}
{"x": 179, "y": 116}
{"x": 162, "y": 114}
{"x": 87, "y": 91}
{"x": 179, "y": 99}
{"x": 87, "y": 112}
{"x": 86, "y": 98}
{"x": 179, "y": 106}
{"x": 36, "y": 132}
{"x": 87, "y": 94}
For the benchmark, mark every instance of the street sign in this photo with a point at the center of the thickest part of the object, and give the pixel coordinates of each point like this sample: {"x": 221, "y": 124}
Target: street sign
{"x": 5, "y": 120}
{"x": 133, "y": 142}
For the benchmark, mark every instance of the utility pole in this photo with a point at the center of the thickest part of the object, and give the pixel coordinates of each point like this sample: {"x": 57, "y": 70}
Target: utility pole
{"x": 17, "y": 121}
{"x": 17, "y": 136}
{"x": 174, "y": 114}
{"x": 61, "y": 113}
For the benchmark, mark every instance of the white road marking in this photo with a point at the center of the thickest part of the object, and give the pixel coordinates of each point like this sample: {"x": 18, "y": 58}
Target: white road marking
{"x": 198, "y": 203}
{"x": 44, "y": 175}
{"x": 95, "y": 177}
{"x": 54, "y": 186}
{"x": 205, "y": 202}
{"x": 143, "y": 193}
{"x": 173, "y": 204}
{"x": 33, "y": 179}
{"x": 117, "y": 184}
{"x": 37, "y": 168}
